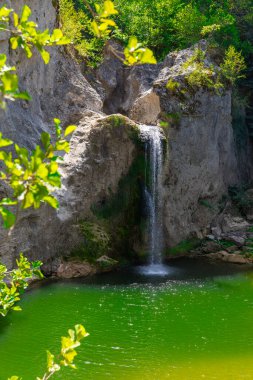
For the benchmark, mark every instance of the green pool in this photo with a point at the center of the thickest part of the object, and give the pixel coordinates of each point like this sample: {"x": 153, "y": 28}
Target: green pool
{"x": 195, "y": 323}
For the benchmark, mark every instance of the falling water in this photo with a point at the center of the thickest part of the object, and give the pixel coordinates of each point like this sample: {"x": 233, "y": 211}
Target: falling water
{"x": 153, "y": 197}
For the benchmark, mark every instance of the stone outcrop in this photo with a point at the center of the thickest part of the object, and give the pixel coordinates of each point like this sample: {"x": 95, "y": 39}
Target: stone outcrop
{"x": 58, "y": 89}
{"x": 75, "y": 269}
{"x": 201, "y": 156}
{"x": 102, "y": 151}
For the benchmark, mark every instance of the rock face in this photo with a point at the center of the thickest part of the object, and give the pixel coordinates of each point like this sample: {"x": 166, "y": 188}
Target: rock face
{"x": 101, "y": 154}
{"x": 58, "y": 89}
{"x": 201, "y": 157}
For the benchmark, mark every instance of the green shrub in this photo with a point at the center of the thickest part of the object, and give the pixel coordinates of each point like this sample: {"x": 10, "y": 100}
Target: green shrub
{"x": 233, "y": 65}
{"x": 202, "y": 75}
{"x": 76, "y": 24}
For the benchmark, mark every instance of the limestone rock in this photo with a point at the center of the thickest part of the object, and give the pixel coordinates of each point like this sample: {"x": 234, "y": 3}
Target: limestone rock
{"x": 238, "y": 240}
{"x": 146, "y": 109}
{"x": 229, "y": 257}
{"x": 211, "y": 246}
{"x": 102, "y": 151}
{"x": 106, "y": 263}
{"x": 231, "y": 224}
{"x": 58, "y": 90}
{"x": 75, "y": 269}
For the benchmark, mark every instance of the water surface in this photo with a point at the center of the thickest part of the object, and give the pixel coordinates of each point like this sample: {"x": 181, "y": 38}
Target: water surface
{"x": 194, "y": 323}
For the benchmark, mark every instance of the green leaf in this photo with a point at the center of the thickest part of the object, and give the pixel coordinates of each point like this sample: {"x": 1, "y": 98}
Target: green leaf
{"x": 45, "y": 139}
{"x": 69, "y": 130}
{"x": 52, "y": 201}
{"x": 26, "y": 13}
{"x": 7, "y": 202}
{"x": 133, "y": 43}
{"x": 28, "y": 200}
{"x": 14, "y": 43}
{"x": 56, "y": 35}
{"x": 8, "y": 217}
{"x": 58, "y": 128}
{"x": 16, "y": 308}
{"x": 5, "y": 12}
{"x": 22, "y": 95}
{"x": 62, "y": 145}
{"x": 3, "y": 59}
{"x": 95, "y": 28}
{"x": 42, "y": 171}
{"x": 4, "y": 142}
{"x": 108, "y": 9}
{"x": 45, "y": 56}
{"x": 15, "y": 19}
{"x": 54, "y": 179}
{"x": 10, "y": 82}
{"x": 36, "y": 264}
{"x": 147, "y": 57}
{"x": 37, "y": 273}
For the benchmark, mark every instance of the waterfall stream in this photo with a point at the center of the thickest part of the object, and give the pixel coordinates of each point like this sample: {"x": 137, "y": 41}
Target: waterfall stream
{"x": 153, "y": 197}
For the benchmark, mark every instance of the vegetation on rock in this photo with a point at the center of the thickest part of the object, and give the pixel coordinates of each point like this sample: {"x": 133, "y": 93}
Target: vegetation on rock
{"x": 170, "y": 25}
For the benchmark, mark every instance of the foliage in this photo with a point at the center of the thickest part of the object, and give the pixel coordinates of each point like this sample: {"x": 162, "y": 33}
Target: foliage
{"x": 76, "y": 24}
{"x": 136, "y": 54}
{"x": 173, "y": 86}
{"x": 102, "y": 24}
{"x": 100, "y": 20}
{"x": 13, "y": 283}
{"x": 167, "y": 25}
{"x": 188, "y": 24}
{"x": 202, "y": 74}
{"x": 233, "y": 65}
{"x": 31, "y": 176}
{"x": 67, "y": 353}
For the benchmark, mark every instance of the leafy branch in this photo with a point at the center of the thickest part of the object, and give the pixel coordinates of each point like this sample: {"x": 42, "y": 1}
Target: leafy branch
{"x": 32, "y": 176}
{"x": 67, "y": 353}
{"x": 13, "y": 283}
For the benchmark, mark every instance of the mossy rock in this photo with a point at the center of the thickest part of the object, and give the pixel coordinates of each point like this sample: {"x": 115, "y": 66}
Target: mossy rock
{"x": 120, "y": 121}
{"x": 96, "y": 242}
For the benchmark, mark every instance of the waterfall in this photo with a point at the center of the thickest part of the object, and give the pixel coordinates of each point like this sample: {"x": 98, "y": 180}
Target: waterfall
{"x": 152, "y": 138}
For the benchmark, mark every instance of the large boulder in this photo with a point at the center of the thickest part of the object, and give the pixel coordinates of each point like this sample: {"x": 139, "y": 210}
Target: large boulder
{"x": 102, "y": 151}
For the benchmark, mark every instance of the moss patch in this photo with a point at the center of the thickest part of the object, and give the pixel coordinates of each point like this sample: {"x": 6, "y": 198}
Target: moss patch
{"x": 183, "y": 247}
{"x": 96, "y": 242}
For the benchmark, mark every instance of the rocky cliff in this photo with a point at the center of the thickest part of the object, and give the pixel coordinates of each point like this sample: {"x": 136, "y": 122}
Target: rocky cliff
{"x": 201, "y": 160}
